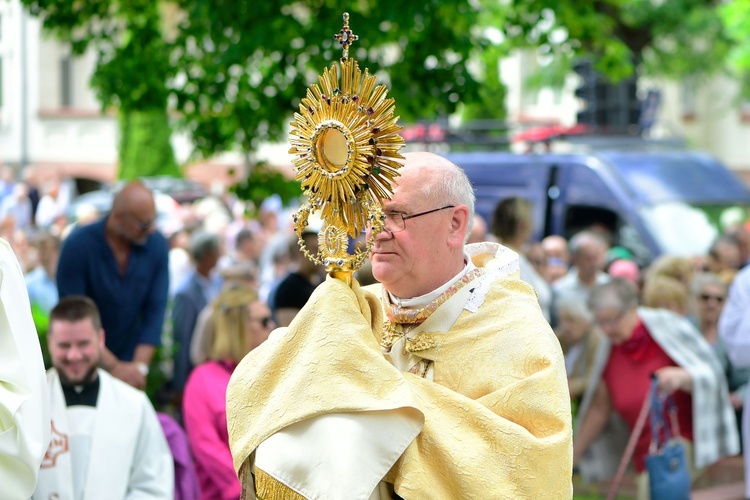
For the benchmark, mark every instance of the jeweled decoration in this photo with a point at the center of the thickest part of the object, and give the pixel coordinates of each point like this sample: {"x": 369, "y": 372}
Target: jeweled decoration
{"x": 346, "y": 142}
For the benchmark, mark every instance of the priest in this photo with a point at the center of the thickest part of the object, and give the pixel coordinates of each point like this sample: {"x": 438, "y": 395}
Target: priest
{"x": 106, "y": 439}
{"x": 443, "y": 381}
{"x": 24, "y": 406}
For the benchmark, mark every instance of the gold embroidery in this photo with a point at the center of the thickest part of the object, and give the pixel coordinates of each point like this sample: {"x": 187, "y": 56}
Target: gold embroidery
{"x": 420, "y": 342}
{"x": 397, "y": 316}
{"x": 390, "y": 335}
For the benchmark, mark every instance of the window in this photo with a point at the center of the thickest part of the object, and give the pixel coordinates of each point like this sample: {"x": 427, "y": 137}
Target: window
{"x": 66, "y": 81}
{"x": 1, "y": 81}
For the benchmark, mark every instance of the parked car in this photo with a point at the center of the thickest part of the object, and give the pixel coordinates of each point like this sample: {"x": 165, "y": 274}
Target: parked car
{"x": 652, "y": 202}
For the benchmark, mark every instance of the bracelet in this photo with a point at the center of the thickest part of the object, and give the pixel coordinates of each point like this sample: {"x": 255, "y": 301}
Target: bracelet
{"x": 142, "y": 367}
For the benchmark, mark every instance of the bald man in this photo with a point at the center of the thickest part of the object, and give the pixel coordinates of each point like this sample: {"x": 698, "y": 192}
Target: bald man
{"x": 121, "y": 263}
{"x": 442, "y": 381}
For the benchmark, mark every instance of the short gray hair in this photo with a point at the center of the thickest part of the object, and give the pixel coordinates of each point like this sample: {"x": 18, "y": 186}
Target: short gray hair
{"x": 585, "y": 238}
{"x": 574, "y": 305}
{"x": 453, "y": 187}
{"x": 202, "y": 244}
{"x": 617, "y": 294}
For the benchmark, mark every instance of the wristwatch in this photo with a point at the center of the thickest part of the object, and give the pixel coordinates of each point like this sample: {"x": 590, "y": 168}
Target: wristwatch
{"x": 142, "y": 367}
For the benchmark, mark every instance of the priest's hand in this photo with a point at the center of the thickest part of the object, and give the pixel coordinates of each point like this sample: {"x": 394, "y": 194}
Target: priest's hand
{"x": 129, "y": 373}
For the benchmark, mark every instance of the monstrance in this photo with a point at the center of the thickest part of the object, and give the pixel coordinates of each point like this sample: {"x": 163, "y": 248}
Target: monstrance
{"x": 346, "y": 146}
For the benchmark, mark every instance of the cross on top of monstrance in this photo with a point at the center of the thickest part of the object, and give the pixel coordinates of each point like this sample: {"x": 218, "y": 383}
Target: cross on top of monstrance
{"x": 346, "y": 146}
{"x": 345, "y": 37}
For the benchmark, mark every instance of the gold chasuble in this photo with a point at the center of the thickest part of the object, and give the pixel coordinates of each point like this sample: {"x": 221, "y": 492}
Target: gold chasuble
{"x": 464, "y": 398}
{"x": 493, "y": 422}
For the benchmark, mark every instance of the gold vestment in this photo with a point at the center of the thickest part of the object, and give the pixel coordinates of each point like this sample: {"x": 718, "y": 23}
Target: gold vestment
{"x": 497, "y": 420}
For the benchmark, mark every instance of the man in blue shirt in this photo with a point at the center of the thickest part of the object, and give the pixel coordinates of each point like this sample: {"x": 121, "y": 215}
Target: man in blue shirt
{"x": 121, "y": 263}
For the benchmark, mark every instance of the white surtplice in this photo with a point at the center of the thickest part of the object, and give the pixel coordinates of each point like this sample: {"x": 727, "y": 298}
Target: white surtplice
{"x": 128, "y": 455}
{"x": 24, "y": 404}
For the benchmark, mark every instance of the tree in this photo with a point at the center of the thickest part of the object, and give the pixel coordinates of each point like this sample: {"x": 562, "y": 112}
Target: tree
{"x": 131, "y": 75}
{"x": 246, "y": 65}
{"x": 237, "y": 70}
{"x": 736, "y": 18}
{"x": 673, "y": 38}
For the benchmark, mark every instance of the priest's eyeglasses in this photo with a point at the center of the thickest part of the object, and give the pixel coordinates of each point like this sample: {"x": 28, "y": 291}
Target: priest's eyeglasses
{"x": 396, "y": 222}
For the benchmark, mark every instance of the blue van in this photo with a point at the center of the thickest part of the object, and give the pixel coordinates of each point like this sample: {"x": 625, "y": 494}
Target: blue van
{"x": 652, "y": 202}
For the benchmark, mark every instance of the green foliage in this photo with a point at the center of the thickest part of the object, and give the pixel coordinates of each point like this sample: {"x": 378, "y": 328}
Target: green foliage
{"x": 672, "y": 38}
{"x": 263, "y": 182}
{"x": 248, "y": 64}
{"x": 235, "y": 71}
{"x": 131, "y": 74}
{"x": 145, "y": 149}
{"x": 735, "y": 16}
{"x": 41, "y": 322}
{"x": 490, "y": 101}
{"x": 133, "y": 64}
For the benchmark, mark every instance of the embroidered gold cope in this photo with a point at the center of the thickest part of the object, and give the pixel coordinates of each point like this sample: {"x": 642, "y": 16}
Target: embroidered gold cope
{"x": 495, "y": 410}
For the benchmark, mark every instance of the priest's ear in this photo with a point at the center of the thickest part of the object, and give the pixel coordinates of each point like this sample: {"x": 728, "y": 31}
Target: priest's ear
{"x": 459, "y": 224}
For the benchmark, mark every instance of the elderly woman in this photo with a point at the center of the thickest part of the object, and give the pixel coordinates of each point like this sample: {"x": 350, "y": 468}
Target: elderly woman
{"x": 579, "y": 338}
{"x": 241, "y": 323}
{"x": 640, "y": 343}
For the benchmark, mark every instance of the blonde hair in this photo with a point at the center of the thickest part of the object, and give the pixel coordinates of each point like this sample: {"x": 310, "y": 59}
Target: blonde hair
{"x": 662, "y": 291}
{"x": 678, "y": 268}
{"x": 230, "y": 322}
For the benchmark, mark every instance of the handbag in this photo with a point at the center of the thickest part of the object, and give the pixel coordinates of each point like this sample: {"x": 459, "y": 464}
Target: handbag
{"x": 668, "y": 474}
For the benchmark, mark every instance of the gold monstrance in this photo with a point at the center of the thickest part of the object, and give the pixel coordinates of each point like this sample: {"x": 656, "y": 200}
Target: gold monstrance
{"x": 346, "y": 146}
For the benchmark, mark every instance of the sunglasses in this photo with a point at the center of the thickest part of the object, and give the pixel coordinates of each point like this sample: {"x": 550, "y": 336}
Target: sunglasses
{"x": 705, "y": 297}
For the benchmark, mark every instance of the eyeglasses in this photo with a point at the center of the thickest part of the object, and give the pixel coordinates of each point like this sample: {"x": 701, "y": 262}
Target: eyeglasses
{"x": 609, "y": 322}
{"x": 705, "y": 297}
{"x": 396, "y": 222}
{"x": 265, "y": 321}
{"x": 143, "y": 225}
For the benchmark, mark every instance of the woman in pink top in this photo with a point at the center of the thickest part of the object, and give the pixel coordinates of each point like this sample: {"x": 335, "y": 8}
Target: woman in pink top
{"x": 241, "y": 322}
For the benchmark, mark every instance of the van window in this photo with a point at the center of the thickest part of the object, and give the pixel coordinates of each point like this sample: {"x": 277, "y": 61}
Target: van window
{"x": 619, "y": 232}
{"x": 689, "y": 230}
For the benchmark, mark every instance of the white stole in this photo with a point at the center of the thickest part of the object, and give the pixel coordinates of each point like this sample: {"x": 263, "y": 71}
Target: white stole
{"x": 113, "y": 441}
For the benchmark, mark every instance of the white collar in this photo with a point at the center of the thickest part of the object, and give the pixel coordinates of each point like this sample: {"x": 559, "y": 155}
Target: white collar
{"x": 423, "y": 300}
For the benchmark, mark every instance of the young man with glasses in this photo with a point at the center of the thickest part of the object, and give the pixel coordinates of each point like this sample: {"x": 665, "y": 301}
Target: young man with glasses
{"x": 444, "y": 381}
{"x": 121, "y": 263}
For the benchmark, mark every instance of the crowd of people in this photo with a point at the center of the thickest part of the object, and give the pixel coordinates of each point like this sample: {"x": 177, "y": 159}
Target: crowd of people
{"x": 123, "y": 304}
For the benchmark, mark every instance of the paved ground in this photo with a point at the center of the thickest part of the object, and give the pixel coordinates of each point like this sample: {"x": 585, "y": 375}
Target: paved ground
{"x": 722, "y": 481}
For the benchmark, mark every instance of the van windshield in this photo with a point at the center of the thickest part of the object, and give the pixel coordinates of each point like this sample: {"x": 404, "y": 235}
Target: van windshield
{"x": 687, "y": 230}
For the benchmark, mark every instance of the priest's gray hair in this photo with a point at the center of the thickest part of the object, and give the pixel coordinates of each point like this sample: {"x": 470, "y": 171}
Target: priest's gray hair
{"x": 451, "y": 186}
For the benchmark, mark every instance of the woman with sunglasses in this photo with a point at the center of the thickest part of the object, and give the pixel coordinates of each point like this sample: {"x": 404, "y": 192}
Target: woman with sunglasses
{"x": 241, "y": 322}
{"x": 709, "y": 293}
